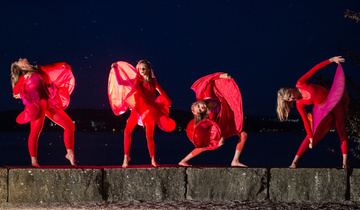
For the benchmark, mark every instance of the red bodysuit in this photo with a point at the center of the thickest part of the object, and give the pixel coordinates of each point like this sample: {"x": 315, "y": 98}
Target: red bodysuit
{"x": 142, "y": 100}
{"x": 127, "y": 89}
{"x": 317, "y": 95}
{"x": 41, "y": 102}
{"x": 225, "y": 119}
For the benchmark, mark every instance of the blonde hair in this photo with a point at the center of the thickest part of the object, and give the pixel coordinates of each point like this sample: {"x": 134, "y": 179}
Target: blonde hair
{"x": 198, "y": 117}
{"x": 16, "y": 72}
{"x": 283, "y": 107}
{"x": 148, "y": 65}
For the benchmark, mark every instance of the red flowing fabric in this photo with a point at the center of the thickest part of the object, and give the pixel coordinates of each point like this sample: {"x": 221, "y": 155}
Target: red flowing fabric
{"x": 61, "y": 84}
{"x": 58, "y": 82}
{"x": 229, "y": 121}
{"x": 123, "y": 93}
{"x": 121, "y": 81}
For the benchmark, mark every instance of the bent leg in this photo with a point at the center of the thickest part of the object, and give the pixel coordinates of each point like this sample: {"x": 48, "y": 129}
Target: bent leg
{"x": 194, "y": 153}
{"x": 239, "y": 147}
{"x": 62, "y": 119}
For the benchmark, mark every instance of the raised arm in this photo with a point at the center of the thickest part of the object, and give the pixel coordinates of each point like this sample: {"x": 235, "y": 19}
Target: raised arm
{"x": 309, "y": 74}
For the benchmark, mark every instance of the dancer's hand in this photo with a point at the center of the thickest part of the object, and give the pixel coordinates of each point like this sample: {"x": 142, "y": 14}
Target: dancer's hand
{"x": 17, "y": 96}
{"x": 225, "y": 76}
{"x": 337, "y": 59}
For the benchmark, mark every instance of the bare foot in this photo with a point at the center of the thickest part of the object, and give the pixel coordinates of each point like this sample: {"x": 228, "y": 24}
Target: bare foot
{"x": 346, "y": 166}
{"x": 71, "y": 158}
{"x": 184, "y": 163}
{"x": 34, "y": 162}
{"x": 238, "y": 164}
{"x": 221, "y": 142}
{"x": 311, "y": 143}
{"x": 153, "y": 163}
{"x": 126, "y": 161}
{"x": 293, "y": 165}
{"x": 35, "y": 165}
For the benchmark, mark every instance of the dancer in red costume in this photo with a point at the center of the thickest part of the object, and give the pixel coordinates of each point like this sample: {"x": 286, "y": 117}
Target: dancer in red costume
{"x": 137, "y": 89}
{"x": 45, "y": 92}
{"x": 217, "y": 115}
{"x": 329, "y": 111}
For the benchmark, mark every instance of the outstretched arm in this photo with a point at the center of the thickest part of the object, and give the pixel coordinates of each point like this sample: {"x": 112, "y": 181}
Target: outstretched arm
{"x": 309, "y": 74}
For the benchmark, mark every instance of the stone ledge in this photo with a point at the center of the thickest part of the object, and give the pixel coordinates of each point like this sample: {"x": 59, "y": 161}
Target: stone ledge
{"x": 227, "y": 184}
{"x": 3, "y": 185}
{"x": 173, "y": 183}
{"x": 55, "y": 185}
{"x": 354, "y": 185}
{"x": 145, "y": 184}
{"x": 313, "y": 185}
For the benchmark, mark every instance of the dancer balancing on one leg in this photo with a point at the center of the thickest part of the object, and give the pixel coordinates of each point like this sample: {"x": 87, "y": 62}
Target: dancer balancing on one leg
{"x": 329, "y": 110}
{"x": 137, "y": 89}
{"x": 45, "y": 90}
{"x": 218, "y": 115}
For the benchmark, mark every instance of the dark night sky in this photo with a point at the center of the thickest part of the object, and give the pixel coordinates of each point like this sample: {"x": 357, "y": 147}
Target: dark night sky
{"x": 264, "y": 45}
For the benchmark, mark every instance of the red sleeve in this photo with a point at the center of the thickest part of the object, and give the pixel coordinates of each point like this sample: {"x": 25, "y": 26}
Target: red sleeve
{"x": 16, "y": 88}
{"x": 162, "y": 93}
{"x": 301, "y": 108}
{"x": 309, "y": 74}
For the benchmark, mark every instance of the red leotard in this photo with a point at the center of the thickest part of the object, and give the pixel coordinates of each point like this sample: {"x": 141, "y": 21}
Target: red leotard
{"x": 147, "y": 91}
{"x": 227, "y": 114}
{"x": 313, "y": 94}
{"x": 34, "y": 94}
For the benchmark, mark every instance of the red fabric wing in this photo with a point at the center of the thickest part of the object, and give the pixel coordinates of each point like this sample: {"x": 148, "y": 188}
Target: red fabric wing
{"x": 120, "y": 83}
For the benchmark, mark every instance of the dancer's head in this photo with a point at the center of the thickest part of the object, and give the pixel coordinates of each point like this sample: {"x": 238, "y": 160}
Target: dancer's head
{"x": 285, "y": 99}
{"x": 20, "y": 67}
{"x": 144, "y": 69}
{"x": 199, "y": 110}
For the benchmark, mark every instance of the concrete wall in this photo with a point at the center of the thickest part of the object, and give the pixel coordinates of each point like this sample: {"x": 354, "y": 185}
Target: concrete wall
{"x": 70, "y": 185}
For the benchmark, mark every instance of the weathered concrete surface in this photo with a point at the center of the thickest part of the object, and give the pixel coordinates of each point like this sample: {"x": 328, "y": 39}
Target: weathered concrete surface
{"x": 55, "y": 185}
{"x": 302, "y": 184}
{"x": 145, "y": 184}
{"x": 354, "y": 183}
{"x": 3, "y": 185}
{"x": 227, "y": 184}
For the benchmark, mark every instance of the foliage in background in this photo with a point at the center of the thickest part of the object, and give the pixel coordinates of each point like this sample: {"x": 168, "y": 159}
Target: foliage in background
{"x": 352, "y": 15}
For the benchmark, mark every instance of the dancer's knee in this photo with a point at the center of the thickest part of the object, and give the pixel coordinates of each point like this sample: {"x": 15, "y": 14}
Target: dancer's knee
{"x": 243, "y": 135}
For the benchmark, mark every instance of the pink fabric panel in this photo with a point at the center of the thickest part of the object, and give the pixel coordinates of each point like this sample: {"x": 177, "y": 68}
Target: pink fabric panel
{"x": 334, "y": 97}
